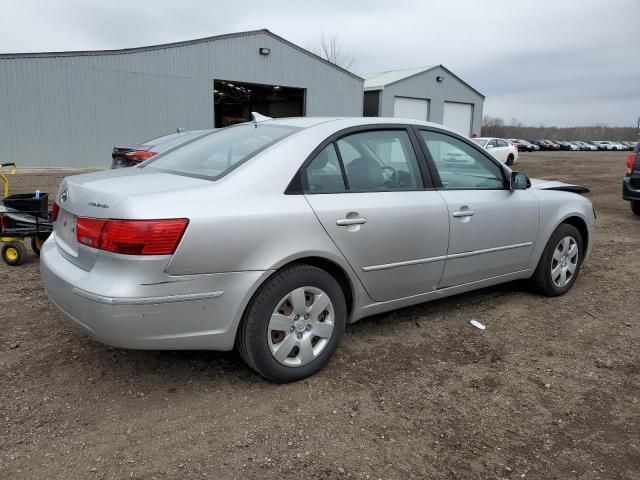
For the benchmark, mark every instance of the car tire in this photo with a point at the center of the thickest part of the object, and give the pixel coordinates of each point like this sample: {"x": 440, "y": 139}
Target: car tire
{"x": 287, "y": 356}
{"x": 551, "y": 277}
{"x": 635, "y": 207}
{"x": 14, "y": 253}
{"x": 510, "y": 159}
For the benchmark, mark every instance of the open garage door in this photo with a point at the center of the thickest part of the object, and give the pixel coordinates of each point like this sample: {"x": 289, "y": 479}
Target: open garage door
{"x": 458, "y": 116}
{"x": 414, "y": 108}
{"x": 234, "y": 101}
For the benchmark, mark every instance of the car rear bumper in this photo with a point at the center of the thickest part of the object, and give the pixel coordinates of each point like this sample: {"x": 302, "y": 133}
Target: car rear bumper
{"x": 195, "y": 312}
{"x": 629, "y": 192}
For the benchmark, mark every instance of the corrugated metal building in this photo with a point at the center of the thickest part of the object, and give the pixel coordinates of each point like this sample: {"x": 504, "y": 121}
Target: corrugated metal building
{"x": 424, "y": 93}
{"x": 69, "y": 109}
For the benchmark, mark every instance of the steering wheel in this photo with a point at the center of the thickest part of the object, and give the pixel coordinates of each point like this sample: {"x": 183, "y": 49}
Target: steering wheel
{"x": 390, "y": 176}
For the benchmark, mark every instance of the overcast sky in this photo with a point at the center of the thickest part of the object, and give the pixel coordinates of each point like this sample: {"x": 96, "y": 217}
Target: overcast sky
{"x": 562, "y": 62}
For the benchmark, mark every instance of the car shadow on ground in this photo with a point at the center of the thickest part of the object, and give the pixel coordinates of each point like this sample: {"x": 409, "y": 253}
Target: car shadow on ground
{"x": 180, "y": 366}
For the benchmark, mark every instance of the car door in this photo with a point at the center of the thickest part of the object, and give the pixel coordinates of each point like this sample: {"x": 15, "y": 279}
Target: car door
{"x": 379, "y": 206}
{"x": 493, "y": 229}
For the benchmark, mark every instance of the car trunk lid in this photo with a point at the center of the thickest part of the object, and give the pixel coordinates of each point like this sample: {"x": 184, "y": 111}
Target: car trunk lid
{"x": 102, "y": 195}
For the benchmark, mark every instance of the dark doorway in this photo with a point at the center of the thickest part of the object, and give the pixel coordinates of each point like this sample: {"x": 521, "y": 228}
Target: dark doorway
{"x": 234, "y": 101}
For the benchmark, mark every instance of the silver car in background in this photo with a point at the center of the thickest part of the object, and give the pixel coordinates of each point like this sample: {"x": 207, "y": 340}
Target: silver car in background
{"x": 271, "y": 236}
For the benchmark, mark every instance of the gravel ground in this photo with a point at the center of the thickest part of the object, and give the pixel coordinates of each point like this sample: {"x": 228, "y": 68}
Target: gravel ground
{"x": 550, "y": 390}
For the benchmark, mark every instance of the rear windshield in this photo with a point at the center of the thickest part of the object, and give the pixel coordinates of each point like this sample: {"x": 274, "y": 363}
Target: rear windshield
{"x": 216, "y": 154}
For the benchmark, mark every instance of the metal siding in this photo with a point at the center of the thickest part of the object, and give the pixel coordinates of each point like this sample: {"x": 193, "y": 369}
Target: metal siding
{"x": 70, "y": 111}
{"x": 425, "y": 86}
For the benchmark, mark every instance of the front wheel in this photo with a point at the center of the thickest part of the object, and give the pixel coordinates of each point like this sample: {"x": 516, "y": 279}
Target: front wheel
{"x": 560, "y": 262}
{"x": 293, "y": 325}
{"x": 635, "y": 207}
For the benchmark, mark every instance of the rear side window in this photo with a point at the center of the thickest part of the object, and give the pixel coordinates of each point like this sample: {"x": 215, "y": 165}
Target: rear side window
{"x": 216, "y": 154}
{"x": 324, "y": 174}
{"x": 379, "y": 160}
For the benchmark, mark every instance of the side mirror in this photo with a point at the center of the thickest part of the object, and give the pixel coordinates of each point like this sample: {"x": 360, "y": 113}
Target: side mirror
{"x": 519, "y": 181}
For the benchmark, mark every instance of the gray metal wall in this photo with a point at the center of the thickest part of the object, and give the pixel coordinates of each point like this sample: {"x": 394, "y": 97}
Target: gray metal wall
{"x": 70, "y": 110}
{"x": 424, "y": 85}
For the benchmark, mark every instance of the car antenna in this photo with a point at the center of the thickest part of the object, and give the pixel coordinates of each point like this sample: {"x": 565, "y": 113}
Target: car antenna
{"x": 179, "y": 130}
{"x": 257, "y": 118}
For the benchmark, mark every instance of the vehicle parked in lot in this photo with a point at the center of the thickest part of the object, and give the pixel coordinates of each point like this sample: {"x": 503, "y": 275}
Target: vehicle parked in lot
{"x": 546, "y": 145}
{"x": 129, "y": 155}
{"x": 500, "y": 148}
{"x": 631, "y": 145}
{"x": 523, "y": 145}
{"x": 631, "y": 181}
{"x": 607, "y": 145}
{"x": 271, "y": 236}
{"x": 585, "y": 146}
{"x": 569, "y": 146}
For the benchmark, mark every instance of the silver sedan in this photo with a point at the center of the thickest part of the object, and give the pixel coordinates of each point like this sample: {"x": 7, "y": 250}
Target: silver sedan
{"x": 272, "y": 236}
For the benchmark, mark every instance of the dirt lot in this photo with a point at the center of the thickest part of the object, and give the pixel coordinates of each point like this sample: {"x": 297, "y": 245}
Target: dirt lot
{"x": 550, "y": 390}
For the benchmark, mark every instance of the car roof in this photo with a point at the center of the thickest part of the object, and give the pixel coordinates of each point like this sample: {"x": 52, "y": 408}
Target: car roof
{"x": 346, "y": 122}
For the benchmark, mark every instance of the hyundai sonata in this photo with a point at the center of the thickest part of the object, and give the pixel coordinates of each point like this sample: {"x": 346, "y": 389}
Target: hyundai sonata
{"x": 271, "y": 236}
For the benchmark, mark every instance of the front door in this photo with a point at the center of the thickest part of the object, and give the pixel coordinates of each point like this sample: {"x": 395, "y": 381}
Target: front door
{"x": 493, "y": 229}
{"x": 369, "y": 193}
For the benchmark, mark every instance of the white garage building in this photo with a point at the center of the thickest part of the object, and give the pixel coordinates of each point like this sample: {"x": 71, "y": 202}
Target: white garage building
{"x": 424, "y": 93}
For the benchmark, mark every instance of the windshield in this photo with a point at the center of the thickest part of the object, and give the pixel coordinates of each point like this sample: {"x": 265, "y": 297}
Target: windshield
{"x": 214, "y": 155}
{"x": 480, "y": 141}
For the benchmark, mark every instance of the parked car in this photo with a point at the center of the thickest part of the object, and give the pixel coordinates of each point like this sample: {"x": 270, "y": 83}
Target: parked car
{"x": 500, "y": 148}
{"x": 523, "y": 145}
{"x": 129, "y": 155}
{"x": 585, "y": 146}
{"x": 631, "y": 145}
{"x": 607, "y": 145}
{"x": 271, "y": 236}
{"x": 530, "y": 146}
{"x": 631, "y": 181}
{"x": 568, "y": 146}
{"x": 547, "y": 145}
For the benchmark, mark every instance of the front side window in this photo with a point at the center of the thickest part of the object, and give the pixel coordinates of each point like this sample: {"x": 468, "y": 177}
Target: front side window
{"x": 379, "y": 160}
{"x": 461, "y": 166}
{"x": 214, "y": 155}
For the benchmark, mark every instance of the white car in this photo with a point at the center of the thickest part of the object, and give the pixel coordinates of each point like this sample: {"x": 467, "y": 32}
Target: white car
{"x": 500, "y": 148}
{"x": 608, "y": 145}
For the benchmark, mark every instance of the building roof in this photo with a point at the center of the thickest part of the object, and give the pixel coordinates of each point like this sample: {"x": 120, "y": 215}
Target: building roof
{"x": 174, "y": 45}
{"x": 378, "y": 81}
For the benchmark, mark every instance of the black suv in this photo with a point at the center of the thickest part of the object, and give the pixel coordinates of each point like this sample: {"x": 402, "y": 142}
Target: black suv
{"x": 631, "y": 182}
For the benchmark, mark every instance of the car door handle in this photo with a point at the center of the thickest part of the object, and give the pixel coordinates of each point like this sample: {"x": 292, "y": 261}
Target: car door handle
{"x": 345, "y": 222}
{"x": 463, "y": 213}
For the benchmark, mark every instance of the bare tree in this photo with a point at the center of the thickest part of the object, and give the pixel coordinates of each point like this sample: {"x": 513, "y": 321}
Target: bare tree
{"x": 329, "y": 48}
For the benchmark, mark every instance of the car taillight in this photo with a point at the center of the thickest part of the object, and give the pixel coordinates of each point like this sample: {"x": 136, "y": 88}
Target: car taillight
{"x": 140, "y": 155}
{"x": 4, "y": 221}
{"x": 132, "y": 237}
{"x": 55, "y": 211}
{"x": 630, "y": 161}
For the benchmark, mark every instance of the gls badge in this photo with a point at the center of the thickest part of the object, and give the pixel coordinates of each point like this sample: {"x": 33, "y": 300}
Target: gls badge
{"x": 98, "y": 204}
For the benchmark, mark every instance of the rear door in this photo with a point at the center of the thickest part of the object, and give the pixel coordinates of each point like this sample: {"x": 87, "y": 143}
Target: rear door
{"x": 379, "y": 207}
{"x": 493, "y": 229}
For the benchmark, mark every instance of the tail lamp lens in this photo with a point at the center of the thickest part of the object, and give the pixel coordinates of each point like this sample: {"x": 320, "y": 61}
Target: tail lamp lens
{"x": 132, "y": 237}
{"x": 630, "y": 161}
{"x": 140, "y": 155}
{"x": 55, "y": 211}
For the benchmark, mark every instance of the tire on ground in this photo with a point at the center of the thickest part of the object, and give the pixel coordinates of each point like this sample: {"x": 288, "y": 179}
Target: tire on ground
{"x": 252, "y": 336}
{"x": 541, "y": 279}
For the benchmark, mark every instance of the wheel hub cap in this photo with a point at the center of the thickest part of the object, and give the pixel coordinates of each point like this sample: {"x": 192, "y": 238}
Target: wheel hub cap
{"x": 300, "y": 326}
{"x": 564, "y": 261}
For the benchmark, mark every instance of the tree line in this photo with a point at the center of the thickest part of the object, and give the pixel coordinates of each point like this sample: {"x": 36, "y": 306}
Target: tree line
{"x": 497, "y": 127}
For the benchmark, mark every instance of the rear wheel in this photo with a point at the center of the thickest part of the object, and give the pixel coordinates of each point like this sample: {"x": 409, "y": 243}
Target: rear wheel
{"x": 560, "y": 262}
{"x": 510, "y": 159}
{"x": 293, "y": 325}
{"x": 14, "y": 253}
{"x": 635, "y": 207}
